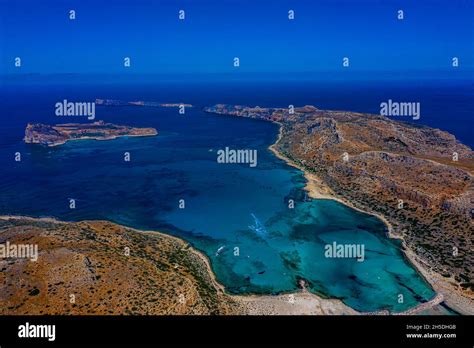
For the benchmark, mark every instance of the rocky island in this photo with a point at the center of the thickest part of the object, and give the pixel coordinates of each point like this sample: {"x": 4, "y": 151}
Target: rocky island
{"x": 419, "y": 180}
{"x": 37, "y": 133}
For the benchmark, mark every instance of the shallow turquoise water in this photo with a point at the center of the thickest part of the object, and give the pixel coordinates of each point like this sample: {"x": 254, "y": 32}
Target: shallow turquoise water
{"x": 219, "y": 202}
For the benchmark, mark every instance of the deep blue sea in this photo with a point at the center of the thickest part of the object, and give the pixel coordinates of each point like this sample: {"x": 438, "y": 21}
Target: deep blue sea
{"x": 221, "y": 200}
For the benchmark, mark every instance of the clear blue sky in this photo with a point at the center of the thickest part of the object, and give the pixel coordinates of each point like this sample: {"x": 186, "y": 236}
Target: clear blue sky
{"x": 258, "y": 32}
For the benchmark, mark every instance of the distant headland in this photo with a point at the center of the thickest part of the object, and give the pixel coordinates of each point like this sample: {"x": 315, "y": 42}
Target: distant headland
{"x": 113, "y": 102}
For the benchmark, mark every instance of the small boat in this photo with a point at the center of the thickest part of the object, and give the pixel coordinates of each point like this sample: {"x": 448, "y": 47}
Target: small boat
{"x": 219, "y": 250}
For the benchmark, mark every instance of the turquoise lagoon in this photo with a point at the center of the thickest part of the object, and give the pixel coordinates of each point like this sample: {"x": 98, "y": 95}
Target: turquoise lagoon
{"x": 222, "y": 203}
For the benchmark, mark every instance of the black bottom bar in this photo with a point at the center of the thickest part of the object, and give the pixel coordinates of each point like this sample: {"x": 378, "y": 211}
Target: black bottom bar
{"x": 244, "y": 330}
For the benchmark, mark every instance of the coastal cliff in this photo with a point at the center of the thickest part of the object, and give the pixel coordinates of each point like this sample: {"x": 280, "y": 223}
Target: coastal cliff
{"x": 37, "y": 133}
{"x": 417, "y": 178}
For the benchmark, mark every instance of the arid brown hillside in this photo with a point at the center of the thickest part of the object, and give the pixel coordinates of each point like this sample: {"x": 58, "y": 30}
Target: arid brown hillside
{"x": 161, "y": 275}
